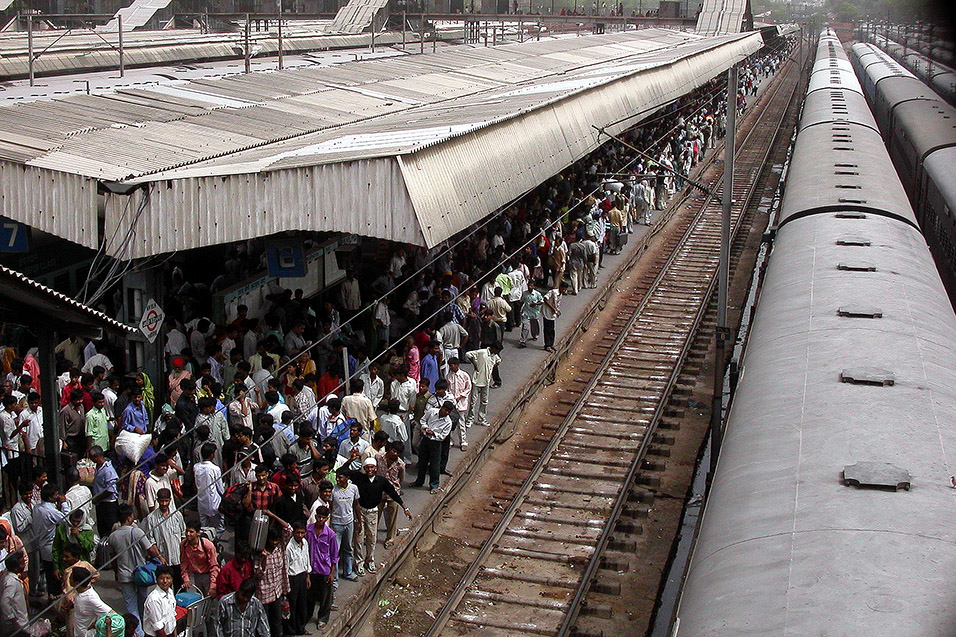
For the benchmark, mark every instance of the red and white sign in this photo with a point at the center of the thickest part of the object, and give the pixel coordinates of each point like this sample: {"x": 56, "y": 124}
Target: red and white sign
{"x": 152, "y": 321}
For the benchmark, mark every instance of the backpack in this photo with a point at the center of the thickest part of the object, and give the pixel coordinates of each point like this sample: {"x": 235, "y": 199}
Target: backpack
{"x": 231, "y": 504}
{"x": 342, "y": 428}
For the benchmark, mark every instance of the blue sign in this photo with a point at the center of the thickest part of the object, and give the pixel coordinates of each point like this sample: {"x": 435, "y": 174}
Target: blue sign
{"x": 14, "y": 236}
{"x": 285, "y": 258}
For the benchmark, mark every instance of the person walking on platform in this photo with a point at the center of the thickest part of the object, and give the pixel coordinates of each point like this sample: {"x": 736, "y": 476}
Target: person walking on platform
{"x": 459, "y": 386}
{"x": 577, "y": 256}
{"x": 592, "y": 259}
{"x": 550, "y": 311}
{"x": 485, "y": 361}
{"x": 436, "y": 427}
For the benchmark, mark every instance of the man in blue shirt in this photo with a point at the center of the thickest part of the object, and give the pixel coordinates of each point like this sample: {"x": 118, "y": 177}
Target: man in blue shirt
{"x": 46, "y": 516}
{"x": 105, "y": 494}
{"x": 135, "y": 416}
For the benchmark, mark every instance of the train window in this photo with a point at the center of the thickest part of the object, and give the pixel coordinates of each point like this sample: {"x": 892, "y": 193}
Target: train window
{"x": 860, "y": 311}
{"x": 851, "y": 240}
{"x": 868, "y": 376}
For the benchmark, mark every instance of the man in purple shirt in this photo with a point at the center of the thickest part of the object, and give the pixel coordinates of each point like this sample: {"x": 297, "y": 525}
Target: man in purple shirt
{"x": 324, "y": 556}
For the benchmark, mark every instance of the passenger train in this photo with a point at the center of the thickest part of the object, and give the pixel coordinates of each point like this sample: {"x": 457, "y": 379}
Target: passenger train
{"x": 832, "y": 510}
{"x": 920, "y": 130}
{"x": 938, "y": 75}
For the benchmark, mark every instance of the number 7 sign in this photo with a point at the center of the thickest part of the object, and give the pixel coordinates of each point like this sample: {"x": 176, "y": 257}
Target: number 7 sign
{"x": 14, "y": 236}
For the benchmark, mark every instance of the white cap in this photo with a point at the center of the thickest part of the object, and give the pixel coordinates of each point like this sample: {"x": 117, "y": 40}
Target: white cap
{"x": 370, "y": 461}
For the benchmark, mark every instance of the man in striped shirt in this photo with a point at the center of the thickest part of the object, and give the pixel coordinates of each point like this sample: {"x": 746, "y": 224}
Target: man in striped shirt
{"x": 241, "y": 614}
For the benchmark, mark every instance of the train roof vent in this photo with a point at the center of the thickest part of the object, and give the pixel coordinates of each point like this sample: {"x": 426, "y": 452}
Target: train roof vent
{"x": 846, "y": 172}
{"x": 853, "y": 240}
{"x": 856, "y": 266}
{"x": 860, "y": 311}
{"x": 839, "y": 165}
{"x": 876, "y": 475}
{"x": 848, "y": 187}
{"x": 867, "y": 376}
{"x": 848, "y": 200}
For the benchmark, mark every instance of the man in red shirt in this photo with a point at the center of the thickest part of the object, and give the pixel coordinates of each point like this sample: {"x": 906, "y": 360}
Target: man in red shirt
{"x": 235, "y": 570}
{"x": 263, "y": 492}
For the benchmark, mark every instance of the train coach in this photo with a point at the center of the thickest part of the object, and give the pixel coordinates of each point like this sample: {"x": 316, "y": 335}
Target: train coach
{"x": 832, "y": 511}
{"x": 920, "y": 130}
{"x": 938, "y": 75}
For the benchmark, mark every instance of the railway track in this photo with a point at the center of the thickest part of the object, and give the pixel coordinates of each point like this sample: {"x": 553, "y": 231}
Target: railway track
{"x": 534, "y": 572}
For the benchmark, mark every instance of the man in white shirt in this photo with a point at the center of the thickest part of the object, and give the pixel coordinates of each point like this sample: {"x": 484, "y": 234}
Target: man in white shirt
{"x": 110, "y": 393}
{"x": 87, "y": 604}
{"x": 159, "y": 478}
{"x": 209, "y": 488}
{"x": 436, "y": 426}
{"x": 550, "y": 311}
{"x": 176, "y": 341}
{"x": 350, "y": 295}
{"x": 358, "y": 406}
{"x": 485, "y": 360}
{"x": 354, "y": 441}
{"x": 405, "y": 389}
{"x": 373, "y": 385}
{"x": 99, "y": 358}
{"x": 275, "y": 407}
{"x": 459, "y": 387}
{"x": 262, "y": 376}
{"x": 452, "y": 336}
{"x": 159, "y": 611}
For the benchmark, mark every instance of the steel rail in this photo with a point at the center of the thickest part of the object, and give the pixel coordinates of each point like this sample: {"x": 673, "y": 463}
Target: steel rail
{"x": 587, "y": 578}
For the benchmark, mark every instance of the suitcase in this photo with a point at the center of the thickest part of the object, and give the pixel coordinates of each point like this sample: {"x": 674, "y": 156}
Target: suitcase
{"x": 258, "y": 530}
{"x": 102, "y": 555}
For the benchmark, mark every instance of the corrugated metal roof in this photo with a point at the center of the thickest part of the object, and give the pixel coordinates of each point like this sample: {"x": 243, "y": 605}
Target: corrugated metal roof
{"x": 203, "y": 137}
{"x": 355, "y": 16}
{"x": 718, "y": 17}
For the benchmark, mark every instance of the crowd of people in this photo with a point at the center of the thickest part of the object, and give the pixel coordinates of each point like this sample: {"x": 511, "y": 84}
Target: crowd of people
{"x": 259, "y": 470}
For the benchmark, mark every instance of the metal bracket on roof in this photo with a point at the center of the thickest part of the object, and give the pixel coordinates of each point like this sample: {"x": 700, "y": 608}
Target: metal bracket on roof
{"x": 853, "y": 240}
{"x": 880, "y": 475}
{"x": 860, "y": 311}
{"x": 868, "y": 376}
{"x": 858, "y": 266}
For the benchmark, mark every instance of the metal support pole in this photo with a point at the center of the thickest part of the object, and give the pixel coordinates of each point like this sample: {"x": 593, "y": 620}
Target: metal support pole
{"x": 50, "y": 405}
{"x": 246, "y": 50}
{"x": 30, "y": 44}
{"x": 280, "y": 35}
{"x": 403, "y": 30}
{"x": 373, "y": 35}
{"x": 421, "y": 38}
{"x": 119, "y": 21}
{"x": 723, "y": 273}
{"x": 345, "y": 371}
